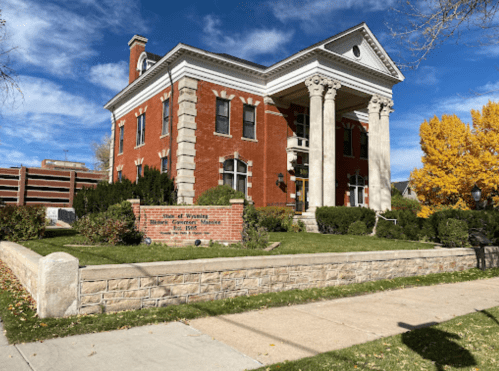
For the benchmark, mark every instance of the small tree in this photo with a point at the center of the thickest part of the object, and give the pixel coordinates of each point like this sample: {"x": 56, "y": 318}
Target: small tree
{"x": 101, "y": 153}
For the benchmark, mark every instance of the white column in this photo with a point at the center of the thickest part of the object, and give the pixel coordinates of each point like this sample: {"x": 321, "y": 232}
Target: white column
{"x": 315, "y": 85}
{"x": 111, "y": 149}
{"x": 329, "y": 185}
{"x": 384, "y": 155}
{"x": 374, "y": 149}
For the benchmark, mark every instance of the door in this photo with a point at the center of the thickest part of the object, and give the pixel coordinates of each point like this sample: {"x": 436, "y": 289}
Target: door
{"x": 301, "y": 195}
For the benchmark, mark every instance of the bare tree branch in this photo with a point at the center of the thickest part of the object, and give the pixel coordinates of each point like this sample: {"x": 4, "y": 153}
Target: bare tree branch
{"x": 423, "y": 26}
{"x": 9, "y": 86}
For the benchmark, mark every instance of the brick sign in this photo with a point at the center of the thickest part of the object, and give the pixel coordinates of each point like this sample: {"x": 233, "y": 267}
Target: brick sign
{"x": 186, "y": 224}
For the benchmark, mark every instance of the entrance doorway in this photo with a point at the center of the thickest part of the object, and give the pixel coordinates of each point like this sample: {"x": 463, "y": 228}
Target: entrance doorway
{"x": 301, "y": 195}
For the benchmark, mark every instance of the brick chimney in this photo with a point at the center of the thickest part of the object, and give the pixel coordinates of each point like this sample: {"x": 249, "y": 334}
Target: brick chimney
{"x": 137, "y": 45}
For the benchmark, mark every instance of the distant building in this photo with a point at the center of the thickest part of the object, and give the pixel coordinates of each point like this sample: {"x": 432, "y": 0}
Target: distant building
{"x": 63, "y": 165}
{"x": 405, "y": 190}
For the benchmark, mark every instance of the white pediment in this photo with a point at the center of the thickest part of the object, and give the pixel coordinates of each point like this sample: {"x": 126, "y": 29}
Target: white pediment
{"x": 369, "y": 52}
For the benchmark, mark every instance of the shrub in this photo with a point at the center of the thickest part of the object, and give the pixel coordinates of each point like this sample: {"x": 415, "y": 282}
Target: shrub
{"x": 357, "y": 228}
{"x": 453, "y": 233}
{"x": 276, "y": 218}
{"x": 153, "y": 188}
{"x": 254, "y": 236}
{"x": 220, "y": 195}
{"x": 409, "y": 222}
{"x": 401, "y": 203}
{"x": 387, "y": 229}
{"x": 20, "y": 223}
{"x": 336, "y": 220}
{"x": 116, "y": 225}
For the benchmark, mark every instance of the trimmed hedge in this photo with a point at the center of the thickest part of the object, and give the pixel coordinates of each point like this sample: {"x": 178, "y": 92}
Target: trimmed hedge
{"x": 337, "y": 219}
{"x": 154, "y": 188}
{"x": 220, "y": 195}
{"x": 20, "y": 223}
{"x": 276, "y": 218}
{"x": 453, "y": 233}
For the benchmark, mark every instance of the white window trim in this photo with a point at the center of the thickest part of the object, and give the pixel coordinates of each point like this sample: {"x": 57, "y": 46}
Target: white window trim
{"x": 143, "y": 142}
{"x": 236, "y": 173}
{"x": 356, "y": 193}
{"x": 216, "y": 114}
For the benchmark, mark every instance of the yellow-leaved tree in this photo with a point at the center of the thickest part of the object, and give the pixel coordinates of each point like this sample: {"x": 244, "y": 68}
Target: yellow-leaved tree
{"x": 456, "y": 157}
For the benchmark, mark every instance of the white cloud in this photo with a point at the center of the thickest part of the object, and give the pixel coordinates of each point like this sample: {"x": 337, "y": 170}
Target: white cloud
{"x": 426, "y": 75}
{"x": 256, "y": 42}
{"x": 403, "y": 161}
{"x": 57, "y": 38}
{"x": 310, "y": 10}
{"x": 16, "y": 158}
{"x": 113, "y": 76}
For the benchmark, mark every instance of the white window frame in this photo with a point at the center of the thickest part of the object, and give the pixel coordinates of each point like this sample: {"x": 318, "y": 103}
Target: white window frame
{"x": 254, "y": 121}
{"x": 216, "y": 115}
{"x": 236, "y": 173}
{"x": 165, "y": 129}
{"x": 141, "y": 134}
{"x": 356, "y": 187}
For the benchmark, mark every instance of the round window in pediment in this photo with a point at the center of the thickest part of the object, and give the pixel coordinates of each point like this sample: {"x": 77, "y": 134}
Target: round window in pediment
{"x": 356, "y": 51}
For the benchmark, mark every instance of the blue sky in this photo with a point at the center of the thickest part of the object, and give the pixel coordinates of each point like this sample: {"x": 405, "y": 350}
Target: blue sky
{"x": 72, "y": 57}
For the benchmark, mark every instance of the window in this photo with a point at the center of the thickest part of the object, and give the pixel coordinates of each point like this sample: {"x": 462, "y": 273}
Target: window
{"x": 166, "y": 117}
{"x": 122, "y": 133}
{"x": 222, "y": 121}
{"x": 347, "y": 142}
{"x": 119, "y": 176}
{"x": 409, "y": 191}
{"x": 144, "y": 65}
{"x": 235, "y": 174}
{"x": 141, "y": 129}
{"x": 303, "y": 126}
{"x": 356, "y": 190}
{"x": 364, "y": 151}
{"x": 249, "y": 122}
{"x": 164, "y": 165}
{"x": 139, "y": 172}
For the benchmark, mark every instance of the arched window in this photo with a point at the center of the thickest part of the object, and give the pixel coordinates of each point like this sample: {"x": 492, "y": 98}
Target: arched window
{"x": 357, "y": 185}
{"x": 236, "y": 174}
{"x": 144, "y": 65}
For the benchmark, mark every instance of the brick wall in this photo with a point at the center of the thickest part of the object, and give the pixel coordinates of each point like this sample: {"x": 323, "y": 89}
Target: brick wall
{"x": 185, "y": 224}
{"x": 145, "y": 285}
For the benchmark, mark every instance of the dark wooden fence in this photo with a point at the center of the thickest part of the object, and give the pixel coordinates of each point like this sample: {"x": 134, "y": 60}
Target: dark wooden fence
{"x": 35, "y": 186}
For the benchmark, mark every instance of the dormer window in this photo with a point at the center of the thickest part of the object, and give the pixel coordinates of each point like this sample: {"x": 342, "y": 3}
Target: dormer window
{"x": 144, "y": 65}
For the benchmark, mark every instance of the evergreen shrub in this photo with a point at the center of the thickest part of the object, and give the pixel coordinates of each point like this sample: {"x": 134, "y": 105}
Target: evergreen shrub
{"x": 337, "y": 219}
{"x": 154, "y": 188}
{"x": 220, "y": 195}
{"x": 254, "y": 236}
{"x": 387, "y": 229}
{"x": 276, "y": 218}
{"x": 357, "y": 228}
{"x": 20, "y": 223}
{"x": 453, "y": 233}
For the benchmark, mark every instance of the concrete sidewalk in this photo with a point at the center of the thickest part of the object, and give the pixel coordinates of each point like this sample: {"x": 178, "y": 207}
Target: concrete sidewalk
{"x": 248, "y": 340}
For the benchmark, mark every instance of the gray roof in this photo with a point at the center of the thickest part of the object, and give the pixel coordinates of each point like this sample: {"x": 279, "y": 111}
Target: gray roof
{"x": 401, "y": 186}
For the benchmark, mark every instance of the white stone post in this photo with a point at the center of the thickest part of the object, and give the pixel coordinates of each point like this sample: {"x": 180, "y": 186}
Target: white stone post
{"x": 315, "y": 85}
{"x": 384, "y": 155}
{"x": 374, "y": 149}
{"x": 329, "y": 184}
{"x": 57, "y": 285}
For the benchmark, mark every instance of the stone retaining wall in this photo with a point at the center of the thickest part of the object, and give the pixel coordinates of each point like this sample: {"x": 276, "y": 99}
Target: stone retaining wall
{"x": 24, "y": 264}
{"x": 145, "y": 285}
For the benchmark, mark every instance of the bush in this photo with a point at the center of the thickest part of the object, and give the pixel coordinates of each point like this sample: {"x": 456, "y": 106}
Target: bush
{"x": 387, "y": 229}
{"x": 20, "y": 223}
{"x": 357, "y": 228}
{"x": 401, "y": 203}
{"x": 153, "y": 188}
{"x": 453, "y": 233}
{"x": 220, "y": 195}
{"x": 254, "y": 236}
{"x": 276, "y": 218}
{"x": 336, "y": 220}
{"x": 409, "y": 222}
{"x": 114, "y": 226}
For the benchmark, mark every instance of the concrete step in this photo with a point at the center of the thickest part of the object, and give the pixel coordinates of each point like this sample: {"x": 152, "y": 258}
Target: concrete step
{"x": 309, "y": 221}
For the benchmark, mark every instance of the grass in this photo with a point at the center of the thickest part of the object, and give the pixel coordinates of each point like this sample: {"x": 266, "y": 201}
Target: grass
{"x": 469, "y": 342}
{"x": 291, "y": 243}
{"x": 22, "y": 324}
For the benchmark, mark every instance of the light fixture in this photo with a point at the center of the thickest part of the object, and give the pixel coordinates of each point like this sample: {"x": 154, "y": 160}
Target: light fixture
{"x": 280, "y": 179}
{"x": 147, "y": 241}
{"x": 476, "y": 193}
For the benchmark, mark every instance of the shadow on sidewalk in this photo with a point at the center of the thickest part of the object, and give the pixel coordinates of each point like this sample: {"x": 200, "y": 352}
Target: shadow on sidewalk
{"x": 437, "y": 346}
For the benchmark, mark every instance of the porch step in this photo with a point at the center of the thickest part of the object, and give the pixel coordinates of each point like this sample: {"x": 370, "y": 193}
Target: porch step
{"x": 309, "y": 221}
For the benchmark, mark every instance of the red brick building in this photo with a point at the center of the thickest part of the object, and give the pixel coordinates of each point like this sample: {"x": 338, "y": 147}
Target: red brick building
{"x": 295, "y": 133}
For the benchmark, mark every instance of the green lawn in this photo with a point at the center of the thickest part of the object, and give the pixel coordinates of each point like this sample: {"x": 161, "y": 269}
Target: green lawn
{"x": 469, "y": 342}
{"x": 291, "y": 243}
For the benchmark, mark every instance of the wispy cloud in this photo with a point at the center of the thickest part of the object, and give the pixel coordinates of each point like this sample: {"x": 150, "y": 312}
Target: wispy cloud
{"x": 57, "y": 39}
{"x": 253, "y": 43}
{"x": 426, "y": 75}
{"x": 113, "y": 76}
{"x": 13, "y": 157}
